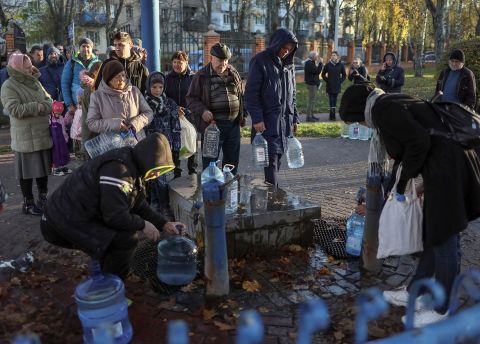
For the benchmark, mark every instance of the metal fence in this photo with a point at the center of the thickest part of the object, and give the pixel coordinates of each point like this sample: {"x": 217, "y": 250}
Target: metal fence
{"x": 242, "y": 46}
{"x": 177, "y": 38}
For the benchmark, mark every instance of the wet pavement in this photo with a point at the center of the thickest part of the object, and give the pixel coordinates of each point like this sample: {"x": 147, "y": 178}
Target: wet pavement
{"x": 41, "y": 300}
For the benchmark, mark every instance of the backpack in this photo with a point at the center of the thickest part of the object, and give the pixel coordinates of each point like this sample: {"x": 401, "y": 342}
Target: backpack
{"x": 462, "y": 123}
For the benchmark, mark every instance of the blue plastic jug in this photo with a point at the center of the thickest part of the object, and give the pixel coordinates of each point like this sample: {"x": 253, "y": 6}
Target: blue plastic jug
{"x": 355, "y": 227}
{"x": 212, "y": 172}
{"x": 101, "y": 303}
{"x": 177, "y": 260}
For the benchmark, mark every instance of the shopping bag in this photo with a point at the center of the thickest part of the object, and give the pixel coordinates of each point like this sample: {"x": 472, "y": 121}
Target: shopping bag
{"x": 400, "y": 225}
{"x": 76, "y": 129}
{"x": 188, "y": 137}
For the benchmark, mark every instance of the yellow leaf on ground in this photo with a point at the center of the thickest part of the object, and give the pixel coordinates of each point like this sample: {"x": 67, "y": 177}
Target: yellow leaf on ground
{"x": 263, "y": 309}
{"x": 324, "y": 271}
{"x": 294, "y": 248}
{"x": 251, "y": 286}
{"x": 188, "y": 288}
{"x": 209, "y": 314}
{"x": 223, "y": 326}
{"x": 284, "y": 260}
{"x": 167, "y": 304}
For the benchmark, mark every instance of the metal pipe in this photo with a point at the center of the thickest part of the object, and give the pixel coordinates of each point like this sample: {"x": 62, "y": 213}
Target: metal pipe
{"x": 150, "y": 10}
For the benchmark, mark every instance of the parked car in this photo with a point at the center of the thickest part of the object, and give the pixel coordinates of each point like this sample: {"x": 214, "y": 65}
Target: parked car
{"x": 429, "y": 58}
{"x": 195, "y": 60}
{"x": 299, "y": 64}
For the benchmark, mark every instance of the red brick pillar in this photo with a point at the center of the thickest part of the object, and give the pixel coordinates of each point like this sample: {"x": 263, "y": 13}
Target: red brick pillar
{"x": 210, "y": 38}
{"x": 405, "y": 53}
{"x": 350, "y": 51}
{"x": 259, "y": 43}
{"x": 329, "y": 48}
{"x": 368, "y": 55}
{"x": 383, "y": 50}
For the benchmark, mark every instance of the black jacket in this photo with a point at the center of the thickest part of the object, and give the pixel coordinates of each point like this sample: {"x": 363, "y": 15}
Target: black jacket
{"x": 177, "y": 85}
{"x": 106, "y": 195}
{"x": 391, "y": 79}
{"x": 358, "y": 75}
{"x": 312, "y": 72}
{"x": 334, "y": 75}
{"x": 466, "y": 88}
{"x": 451, "y": 174}
{"x": 137, "y": 72}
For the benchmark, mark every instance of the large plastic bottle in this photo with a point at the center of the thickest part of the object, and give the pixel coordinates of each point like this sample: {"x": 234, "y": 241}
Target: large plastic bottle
{"x": 211, "y": 140}
{"x": 231, "y": 205}
{"x": 212, "y": 172}
{"x": 259, "y": 151}
{"x": 294, "y": 153}
{"x": 177, "y": 260}
{"x": 101, "y": 302}
{"x": 345, "y": 130}
{"x": 353, "y": 131}
{"x": 107, "y": 141}
{"x": 363, "y": 132}
{"x": 355, "y": 227}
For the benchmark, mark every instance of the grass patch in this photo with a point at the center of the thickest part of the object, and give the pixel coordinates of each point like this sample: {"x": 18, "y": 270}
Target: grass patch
{"x": 418, "y": 87}
{"x": 5, "y": 149}
{"x": 322, "y": 129}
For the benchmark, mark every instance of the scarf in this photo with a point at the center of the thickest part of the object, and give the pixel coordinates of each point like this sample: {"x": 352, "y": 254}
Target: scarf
{"x": 377, "y": 156}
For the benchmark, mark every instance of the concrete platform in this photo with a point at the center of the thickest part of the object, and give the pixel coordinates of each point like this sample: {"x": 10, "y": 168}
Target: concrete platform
{"x": 272, "y": 219}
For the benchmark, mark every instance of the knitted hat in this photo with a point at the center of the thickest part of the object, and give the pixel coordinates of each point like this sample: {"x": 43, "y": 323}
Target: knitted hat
{"x": 157, "y": 78}
{"x": 85, "y": 40}
{"x": 111, "y": 69}
{"x": 57, "y": 107}
{"x": 221, "y": 51}
{"x": 354, "y": 100}
{"x": 457, "y": 54}
{"x": 53, "y": 50}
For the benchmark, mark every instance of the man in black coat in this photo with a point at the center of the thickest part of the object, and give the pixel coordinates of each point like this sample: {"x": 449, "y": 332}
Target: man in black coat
{"x": 101, "y": 207}
{"x": 457, "y": 82}
{"x": 312, "y": 80}
{"x": 334, "y": 74}
{"x": 391, "y": 76}
{"x": 177, "y": 83}
{"x": 451, "y": 180}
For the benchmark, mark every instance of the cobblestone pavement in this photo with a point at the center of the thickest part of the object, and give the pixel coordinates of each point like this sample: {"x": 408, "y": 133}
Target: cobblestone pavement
{"x": 41, "y": 300}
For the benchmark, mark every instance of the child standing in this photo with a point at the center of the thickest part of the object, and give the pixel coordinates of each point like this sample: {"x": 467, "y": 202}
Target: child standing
{"x": 76, "y": 129}
{"x": 60, "y": 153}
{"x": 166, "y": 121}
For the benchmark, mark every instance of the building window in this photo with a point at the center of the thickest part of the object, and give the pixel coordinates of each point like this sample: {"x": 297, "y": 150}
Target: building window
{"x": 129, "y": 11}
{"x": 94, "y": 36}
{"x": 226, "y": 19}
{"x": 164, "y": 14}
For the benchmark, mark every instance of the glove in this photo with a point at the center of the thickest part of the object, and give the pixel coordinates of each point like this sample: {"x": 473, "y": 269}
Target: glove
{"x": 400, "y": 197}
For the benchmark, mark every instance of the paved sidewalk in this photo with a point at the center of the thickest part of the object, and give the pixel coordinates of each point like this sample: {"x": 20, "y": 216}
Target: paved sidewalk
{"x": 41, "y": 299}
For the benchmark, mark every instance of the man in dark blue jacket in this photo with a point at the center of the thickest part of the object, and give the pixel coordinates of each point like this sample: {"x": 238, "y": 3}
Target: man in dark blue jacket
{"x": 51, "y": 74}
{"x": 334, "y": 75}
{"x": 270, "y": 97}
{"x": 390, "y": 77}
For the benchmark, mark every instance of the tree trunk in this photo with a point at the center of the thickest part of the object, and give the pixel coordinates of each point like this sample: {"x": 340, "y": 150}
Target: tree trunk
{"x": 230, "y": 14}
{"x": 3, "y": 17}
{"x": 438, "y": 13}
{"x": 477, "y": 27}
{"x": 418, "y": 63}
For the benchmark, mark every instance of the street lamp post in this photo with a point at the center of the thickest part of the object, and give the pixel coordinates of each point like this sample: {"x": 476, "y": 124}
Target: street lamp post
{"x": 337, "y": 26}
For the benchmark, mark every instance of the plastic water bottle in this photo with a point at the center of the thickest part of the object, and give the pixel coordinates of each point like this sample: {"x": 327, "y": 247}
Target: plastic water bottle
{"x": 101, "y": 303}
{"x": 245, "y": 191}
{"x": 353, "y": 131}
{"x": 177, "y": 332}
{"x": 26, "y": 339}
{"x": 177, "y": 260}
{"x": 355, "y": 227}
{"x": 212, "y": 172}
{"x": 259, "y": 151}
{"x": 211, "y": 140}
{"x": 22, "y": 263}
{"x": 345, "y": 130}
{"x": 108, "y": 141}
{"x": 363, "y": 132}
{"x": 294, "y": 153}
{"x": 231, "y": 205}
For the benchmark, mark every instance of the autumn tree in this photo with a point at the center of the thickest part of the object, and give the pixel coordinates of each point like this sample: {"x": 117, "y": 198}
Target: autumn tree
{"x": 438, "y": 11}
{"x": 61, "y": 14}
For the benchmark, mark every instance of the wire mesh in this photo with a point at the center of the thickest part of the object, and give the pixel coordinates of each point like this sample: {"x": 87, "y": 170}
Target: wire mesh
{"x": 330, "y": 233}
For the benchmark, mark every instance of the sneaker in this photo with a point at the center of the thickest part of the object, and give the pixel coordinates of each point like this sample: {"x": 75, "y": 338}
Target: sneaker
{"x": 425, "y": 317}
{"x": 58, "y": 172}
{"x": 399, "y": 297}
{"x": 66, "y": 170}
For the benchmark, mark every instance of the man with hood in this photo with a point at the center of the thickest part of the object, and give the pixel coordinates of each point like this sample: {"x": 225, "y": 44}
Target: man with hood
{"x": 71, "y": 82}
{"x": 137, "y": 72}
{"x": 334, "y": 75}
{"x": 51, "y": 74}
{"x": 270, "y": 97}
{"x": 390, "y": 77}
{"x": 216, "y": 94}
{"x": 101, "y": 206}
{"x": 451, "y": 180}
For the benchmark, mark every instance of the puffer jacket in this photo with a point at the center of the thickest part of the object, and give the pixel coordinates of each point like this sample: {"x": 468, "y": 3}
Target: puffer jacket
{"x": 137, "y": 72}
{"x": 106, "y": 195}
{"x": 51, "y": 79}
{"x": 29, "y": 128}
{"x": 109, "y": 107}
{"x": 71, "y": 78}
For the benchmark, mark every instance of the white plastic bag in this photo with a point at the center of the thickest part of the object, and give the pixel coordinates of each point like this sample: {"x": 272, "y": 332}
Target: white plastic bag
{"x": 400, "y": 225}
{"x": 188, "y": 137}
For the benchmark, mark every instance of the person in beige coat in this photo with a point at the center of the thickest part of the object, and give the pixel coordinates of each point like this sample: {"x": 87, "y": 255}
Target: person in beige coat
{"x": 29, "y": 106}
{"x": 117, "y": 105}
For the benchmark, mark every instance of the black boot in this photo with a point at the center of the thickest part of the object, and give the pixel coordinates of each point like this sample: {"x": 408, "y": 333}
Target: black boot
{"x": 332, "y": 114}
{"x": 30, "y": 208}
{"x": 42, "y": 200}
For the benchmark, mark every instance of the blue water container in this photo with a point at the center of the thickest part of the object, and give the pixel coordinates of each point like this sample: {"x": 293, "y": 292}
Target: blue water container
{"x": 177, "y": 260}
{"x": 355, "y": 227}
{"x": 101, "y": 303}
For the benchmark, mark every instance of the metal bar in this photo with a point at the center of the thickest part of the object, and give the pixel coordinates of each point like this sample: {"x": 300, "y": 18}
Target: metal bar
{"x": 313, "y": 316}
{"x": 371, "y": 305}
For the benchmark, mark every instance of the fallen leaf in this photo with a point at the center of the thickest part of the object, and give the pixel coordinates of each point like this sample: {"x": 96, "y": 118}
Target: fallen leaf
{"x": 188, "y": 288}
{"x": 3, "y": 291}
{"x": 223, "y": 326}
{"x": 167, "y": 304}
{"x": 15, "y": 281}
{"x": 133, "y": 278}
{"x": 294, "y": 248}
{"x": 209, "y": 314}
{"x": 292, "y": 335}
{"x": 284, "y": 260}
{"x": 274, "y": 280}
{"x": 263, "y": 310}
{"x": 323, "y": 271}
{"x": 251, "y": 286}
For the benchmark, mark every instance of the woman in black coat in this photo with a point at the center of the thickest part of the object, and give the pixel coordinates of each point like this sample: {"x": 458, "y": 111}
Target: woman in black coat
{"x": 450, "y": 172}
{"x": 334, "y": 75}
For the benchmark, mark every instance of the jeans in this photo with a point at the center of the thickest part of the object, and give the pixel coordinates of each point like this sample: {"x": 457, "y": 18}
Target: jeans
{"x": 312, "y": 96}
{"x": 273, "y": 168}
{"x": 229, "y": 143}
{"x": 443, "y": 263}
{"x": 332, "y": 100}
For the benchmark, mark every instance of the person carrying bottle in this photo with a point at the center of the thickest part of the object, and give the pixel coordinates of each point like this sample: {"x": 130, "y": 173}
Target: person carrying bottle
{"x": 216, "y": 94}
{"x": 270, "y": 97}
{"x": 101, "y": 206}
